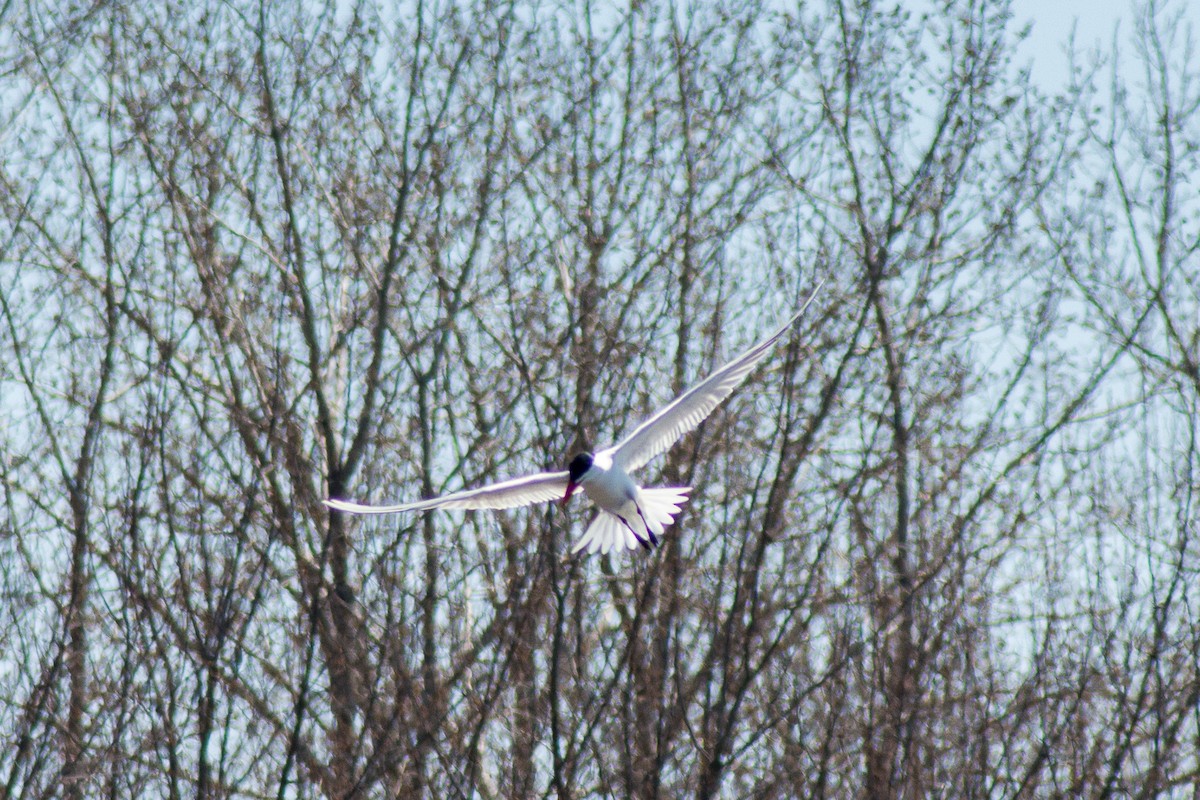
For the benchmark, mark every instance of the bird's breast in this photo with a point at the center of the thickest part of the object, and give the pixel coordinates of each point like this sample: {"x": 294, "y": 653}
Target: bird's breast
{"x": 610, "y": 489}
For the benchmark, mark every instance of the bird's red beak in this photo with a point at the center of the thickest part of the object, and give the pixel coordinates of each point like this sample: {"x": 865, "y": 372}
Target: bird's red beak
{"x": 571, "y": 487}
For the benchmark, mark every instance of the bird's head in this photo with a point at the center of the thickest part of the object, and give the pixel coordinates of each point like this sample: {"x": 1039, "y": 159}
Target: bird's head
{"x": 578, "y": 467}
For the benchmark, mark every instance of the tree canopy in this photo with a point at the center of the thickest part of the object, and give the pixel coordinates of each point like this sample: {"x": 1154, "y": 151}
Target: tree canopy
{"x": 254, "y": 256}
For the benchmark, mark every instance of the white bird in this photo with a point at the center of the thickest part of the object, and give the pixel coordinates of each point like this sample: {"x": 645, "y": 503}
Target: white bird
{"x": 630, "y": 515}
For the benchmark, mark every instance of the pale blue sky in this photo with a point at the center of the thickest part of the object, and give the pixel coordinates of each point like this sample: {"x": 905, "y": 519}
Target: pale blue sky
{"x": 1094, "y": 22}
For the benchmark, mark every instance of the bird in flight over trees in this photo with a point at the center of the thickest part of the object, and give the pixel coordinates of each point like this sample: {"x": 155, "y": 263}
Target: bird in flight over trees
{"x": 629, "y": 515}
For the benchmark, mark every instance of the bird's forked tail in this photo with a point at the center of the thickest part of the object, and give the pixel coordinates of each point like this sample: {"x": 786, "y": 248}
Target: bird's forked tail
{"x": 658, "y": 508}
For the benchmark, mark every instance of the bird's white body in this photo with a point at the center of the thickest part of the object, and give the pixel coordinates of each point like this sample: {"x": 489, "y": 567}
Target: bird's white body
{"x": 630, "y": 515}
{"x": 609, "y": 486}
{"x": 634, "y": 516}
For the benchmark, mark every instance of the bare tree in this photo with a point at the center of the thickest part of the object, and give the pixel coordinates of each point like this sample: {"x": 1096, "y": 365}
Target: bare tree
{"x": 255, "y": 257}
{"x": 1129, "y": 245}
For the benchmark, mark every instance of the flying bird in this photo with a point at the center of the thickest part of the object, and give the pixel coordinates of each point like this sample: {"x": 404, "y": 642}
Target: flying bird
{"x": 629, "y": 515}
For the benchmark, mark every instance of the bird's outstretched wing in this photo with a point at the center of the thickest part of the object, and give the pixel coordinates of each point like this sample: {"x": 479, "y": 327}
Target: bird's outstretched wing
{"x": 507, "y": 494}
{"x": 684, "y": 413}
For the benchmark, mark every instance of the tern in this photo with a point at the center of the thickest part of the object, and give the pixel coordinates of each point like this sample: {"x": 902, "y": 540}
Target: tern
{"x": 629, "y": 515}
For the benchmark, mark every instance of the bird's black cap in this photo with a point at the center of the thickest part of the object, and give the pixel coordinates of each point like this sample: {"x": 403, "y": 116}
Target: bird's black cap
{"x": 579, "y": 465}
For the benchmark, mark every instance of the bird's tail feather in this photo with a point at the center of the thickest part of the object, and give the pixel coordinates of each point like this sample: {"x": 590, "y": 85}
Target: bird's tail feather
{"x": 659, "y": 506}
{"x": 607, "y": 533}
